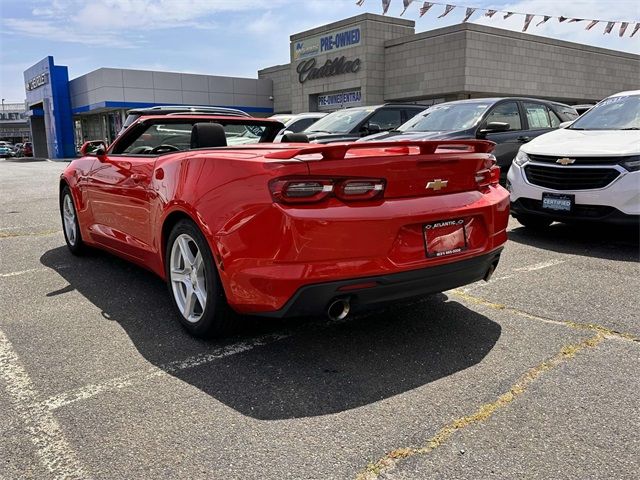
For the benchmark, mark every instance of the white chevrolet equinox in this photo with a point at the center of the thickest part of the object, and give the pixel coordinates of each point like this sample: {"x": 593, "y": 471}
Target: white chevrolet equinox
{"x": 587, "y": 171}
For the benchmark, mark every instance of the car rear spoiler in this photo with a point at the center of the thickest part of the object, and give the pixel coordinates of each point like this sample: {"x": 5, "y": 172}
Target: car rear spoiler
{"x": 338, "y": 151}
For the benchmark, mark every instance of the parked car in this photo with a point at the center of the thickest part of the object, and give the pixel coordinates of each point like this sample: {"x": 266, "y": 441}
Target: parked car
{"x": 27, "y": 149}
{"x": 135, "y": 113}
{"x": 296, "y": 123}
{"x": 272, "y": 229}
{"x": 509, "y": 122}
{"x": 588, "y": 171}
{"x": 352, "y": 123}
{"x": 6, "y": 151}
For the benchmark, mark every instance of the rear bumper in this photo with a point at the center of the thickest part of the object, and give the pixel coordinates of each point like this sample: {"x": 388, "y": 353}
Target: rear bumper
{"x": 280, "y": 251}
{"x": 314, "y": 299}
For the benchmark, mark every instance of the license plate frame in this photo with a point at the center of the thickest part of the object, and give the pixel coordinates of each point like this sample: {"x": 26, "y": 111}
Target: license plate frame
{"x": 558, "y": 202}
{"x": 445, "y": 237}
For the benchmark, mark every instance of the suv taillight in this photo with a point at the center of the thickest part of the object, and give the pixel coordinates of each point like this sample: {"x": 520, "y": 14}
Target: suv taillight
{"x": 309, "y": 190}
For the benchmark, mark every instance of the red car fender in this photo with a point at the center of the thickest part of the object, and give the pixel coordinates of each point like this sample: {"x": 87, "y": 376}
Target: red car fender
{"x": 182, "y": 209}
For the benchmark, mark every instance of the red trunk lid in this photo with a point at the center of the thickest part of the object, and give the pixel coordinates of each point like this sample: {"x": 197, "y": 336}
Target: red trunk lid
{"x": 410, "y": 169}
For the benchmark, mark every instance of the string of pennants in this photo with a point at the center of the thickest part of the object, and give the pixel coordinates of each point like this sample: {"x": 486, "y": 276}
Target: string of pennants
{"x": 528, "y": 17}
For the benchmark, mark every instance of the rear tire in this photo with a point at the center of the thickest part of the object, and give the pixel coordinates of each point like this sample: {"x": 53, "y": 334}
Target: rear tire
{"x": 534, "y": 221}
{"x": 70, "y": 225}
{"x": 194, "y": 284}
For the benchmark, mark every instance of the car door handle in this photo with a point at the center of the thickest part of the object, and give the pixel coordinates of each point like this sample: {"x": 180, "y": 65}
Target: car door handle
{"x": 139, "y": 177}
{"x": 524, "y": 139}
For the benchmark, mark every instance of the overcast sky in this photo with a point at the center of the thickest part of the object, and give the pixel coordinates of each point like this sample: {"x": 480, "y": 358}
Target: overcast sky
{"x": 238, "y": 37}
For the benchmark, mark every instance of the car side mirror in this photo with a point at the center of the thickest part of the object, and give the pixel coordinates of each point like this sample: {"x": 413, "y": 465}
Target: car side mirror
{"x": 565, "y": 124}
{"x": 93, "y": 147}
{"x": 493, "y": 127}
{"x": 370, "y": 129}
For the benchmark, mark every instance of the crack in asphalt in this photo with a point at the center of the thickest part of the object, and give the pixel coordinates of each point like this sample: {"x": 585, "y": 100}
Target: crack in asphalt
{"x": 385, "y": 464}
{"x": 28, "y": 234}
{"x": 568, "y": 323}
{"x": 482, "y": 413}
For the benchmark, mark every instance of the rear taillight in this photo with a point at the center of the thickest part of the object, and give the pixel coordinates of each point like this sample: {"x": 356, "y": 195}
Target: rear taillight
{"x": 308, "y": 190}
{"x": 490, "y": 175}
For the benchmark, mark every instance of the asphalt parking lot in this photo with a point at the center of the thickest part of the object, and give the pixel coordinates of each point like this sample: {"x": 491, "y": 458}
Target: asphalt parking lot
{"x": 533, "y": 375}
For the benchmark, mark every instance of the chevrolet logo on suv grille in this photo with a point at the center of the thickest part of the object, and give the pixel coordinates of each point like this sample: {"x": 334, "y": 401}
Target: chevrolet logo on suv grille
{"x": 437, "y": 184}
{"x": 566, "y": 161}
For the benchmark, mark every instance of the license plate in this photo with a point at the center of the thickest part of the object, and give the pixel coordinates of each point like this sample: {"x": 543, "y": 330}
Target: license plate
{"x": 446, "y": 237}
{"x": 557, "y": 202}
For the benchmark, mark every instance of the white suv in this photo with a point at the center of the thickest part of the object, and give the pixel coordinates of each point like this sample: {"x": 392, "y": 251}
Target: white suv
{"x": 587, "y": 171}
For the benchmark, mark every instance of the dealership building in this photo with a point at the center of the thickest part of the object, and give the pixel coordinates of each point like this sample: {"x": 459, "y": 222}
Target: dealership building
{"x": 63, "y": 113}
{"x": 363, "y": 60}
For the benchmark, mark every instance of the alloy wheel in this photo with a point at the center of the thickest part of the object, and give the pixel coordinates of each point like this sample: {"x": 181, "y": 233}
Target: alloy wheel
{"x": 69, "y": 219}
{"x": 188, "y": 279}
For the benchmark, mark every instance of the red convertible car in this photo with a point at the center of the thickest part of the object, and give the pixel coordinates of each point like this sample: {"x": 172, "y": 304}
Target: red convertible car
{"x": 235, "y": 223}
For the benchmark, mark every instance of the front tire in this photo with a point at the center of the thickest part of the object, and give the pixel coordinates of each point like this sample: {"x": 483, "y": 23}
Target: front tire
{"x": 194, "y": 283}
{"x": 70, "y": 225}
{"x": 534, "y": 221}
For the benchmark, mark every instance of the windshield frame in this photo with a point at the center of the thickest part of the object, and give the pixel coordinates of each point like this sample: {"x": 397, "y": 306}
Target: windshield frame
{"x": 121, "y": 143}
{"x": 596, "y": 111}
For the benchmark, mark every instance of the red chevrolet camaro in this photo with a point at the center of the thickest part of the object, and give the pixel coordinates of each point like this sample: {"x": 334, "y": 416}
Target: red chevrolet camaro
{"x": 235, "y": 223}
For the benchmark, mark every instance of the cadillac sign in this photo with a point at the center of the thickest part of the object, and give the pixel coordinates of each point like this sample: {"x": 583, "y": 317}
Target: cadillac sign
{"x": 307, "y": 69}
{"x": 37, "y": 81}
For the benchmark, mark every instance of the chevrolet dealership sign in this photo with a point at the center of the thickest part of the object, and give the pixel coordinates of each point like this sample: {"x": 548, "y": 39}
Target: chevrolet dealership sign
{"x": 37, "y": 81}
{"x": 328, "y": 43}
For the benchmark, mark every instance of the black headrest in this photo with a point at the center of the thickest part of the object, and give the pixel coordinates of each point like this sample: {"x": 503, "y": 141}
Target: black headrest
{"x": 294, "y": 138}
{"x": 208, "y": 135}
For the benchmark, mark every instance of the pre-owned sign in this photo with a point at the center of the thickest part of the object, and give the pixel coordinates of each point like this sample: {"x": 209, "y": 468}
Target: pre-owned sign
{"x": 307, "y": 69}
{"x": 37, "y": 81}
{"x": 339, "y": 100}
{"x": 310, "y": 47}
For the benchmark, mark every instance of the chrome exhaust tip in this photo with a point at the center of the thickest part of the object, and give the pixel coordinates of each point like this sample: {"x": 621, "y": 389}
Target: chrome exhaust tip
{"x": 338, "y": 309}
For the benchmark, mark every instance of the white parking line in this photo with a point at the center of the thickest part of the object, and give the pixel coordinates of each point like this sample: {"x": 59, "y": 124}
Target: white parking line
{"x": 32, "y": 270}
{"x": 528, "y": 268}
{"x": 539, "y": 266}
{"x": 55, "y": 454}
{"x": 22, "y": 272}
{"x": 129, "y": 380}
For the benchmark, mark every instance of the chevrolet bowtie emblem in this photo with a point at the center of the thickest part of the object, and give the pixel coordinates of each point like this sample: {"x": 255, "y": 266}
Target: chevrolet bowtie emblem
{"x": 437, "y": 184}
{"x": 566, "y": 161}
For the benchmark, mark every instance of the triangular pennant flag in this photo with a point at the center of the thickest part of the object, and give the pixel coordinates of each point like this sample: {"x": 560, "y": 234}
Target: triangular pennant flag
{"x": 385, "y": 6}
{"x": 490, "y": 13}
{"x": 592, "y": 24}
{"x": 425, "y": 8}
{"x": 635, "y": 29}
{"x": 561, "y": 19}
{"x": 545, "y": 19}
{"x": 406, "y": 5}
{"x": 527, "y": 21}
{"x": 623, "y": 28}
{"x": 573, "y": 20}
{"x": 359, "y": 3}
{"x": 609, "y": 27}
{"x": 447, "y": 9}
{"x": 468, "y": 14}
{"x": 507, "y": 15}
